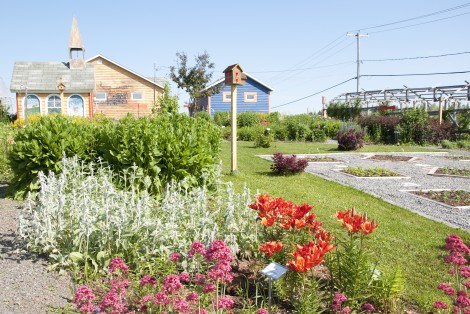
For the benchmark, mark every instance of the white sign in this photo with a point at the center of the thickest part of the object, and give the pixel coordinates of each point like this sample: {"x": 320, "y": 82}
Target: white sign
{"x": 274, "y": 270}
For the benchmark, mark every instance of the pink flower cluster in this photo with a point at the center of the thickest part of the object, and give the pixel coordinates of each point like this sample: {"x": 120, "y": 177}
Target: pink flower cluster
{"x": 457, "y": 252}
{"x": 116, "y": 264}
{"x": 83, "y": 299}
{"x": 337, "y": 304}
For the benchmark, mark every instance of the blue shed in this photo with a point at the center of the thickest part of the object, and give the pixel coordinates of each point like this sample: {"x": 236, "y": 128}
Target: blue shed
{"x": 253, "y": 96}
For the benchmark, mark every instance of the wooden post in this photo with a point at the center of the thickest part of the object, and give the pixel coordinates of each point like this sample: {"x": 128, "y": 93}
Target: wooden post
{"x": 234, "y": 128}
{"x": 440, "y": 110}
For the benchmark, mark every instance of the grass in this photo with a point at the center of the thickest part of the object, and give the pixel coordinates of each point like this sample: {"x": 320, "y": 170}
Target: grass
{"x": 403, "y": 239}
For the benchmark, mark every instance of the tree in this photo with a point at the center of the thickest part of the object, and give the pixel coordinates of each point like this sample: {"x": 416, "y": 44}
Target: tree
{"x": 193, "y": 79}
{"x": 166, "y": 103}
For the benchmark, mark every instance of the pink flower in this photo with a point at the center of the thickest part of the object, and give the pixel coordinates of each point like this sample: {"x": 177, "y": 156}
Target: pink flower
{"x": 113, "y": 301}
{"x": 440, "y": 305}
{"x": 199, "y": 279}
{"x": 456, "y": 257}
{"x": 87, "y": 308}
{"x": 193, "y": 297}
{"x": 161, "y": 298}
{"x": 346, "y": 310}
{"x": 181, "y": 306}
{"x": 146, "y": 298}
{"x": 148, "y": 280}
{"x": 83, "y": 294}
{"x": 262, "y": 311}
{"x": 464, "y": 271}
{"x": 218, "y": 251}
{"x": 174, "y": 257}
{"x": 184, "y": 277}
{"x": 116, "y": 264}
{"x": 201, "y": 311}
{"x": 466, "y": 284}
{"x": 196, "y": 248}
{"x": 368, "y": 307}
{"x": 225, "y": 303}
{"x": 339, "y": 298}
{"x": 172, "y": 284}
{"x": 455, "y": 244}
{"x": 119, "y": 285}
{"x": 446, "y": 288}
{"x": 209, "y": 288}
{"x": 462, "y": 299}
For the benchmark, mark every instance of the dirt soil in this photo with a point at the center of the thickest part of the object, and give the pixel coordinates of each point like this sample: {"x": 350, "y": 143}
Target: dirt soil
{"x": 26, "y": 285}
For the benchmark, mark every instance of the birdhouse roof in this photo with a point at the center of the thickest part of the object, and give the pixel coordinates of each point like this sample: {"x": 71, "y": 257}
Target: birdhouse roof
{"x": 231, "y": 67}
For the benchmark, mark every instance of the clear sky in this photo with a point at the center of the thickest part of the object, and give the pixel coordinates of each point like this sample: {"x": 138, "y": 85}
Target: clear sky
{"x": 306, "y": 40}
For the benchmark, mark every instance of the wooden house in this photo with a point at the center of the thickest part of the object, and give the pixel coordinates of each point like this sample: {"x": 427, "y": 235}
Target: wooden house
{"x": 81, "y": 87}
{"x": 253, "y": 96}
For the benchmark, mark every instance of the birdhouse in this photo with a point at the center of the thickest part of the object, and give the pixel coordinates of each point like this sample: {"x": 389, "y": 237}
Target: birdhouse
{"x": 61, "y": 86}
{"x": 234, "y": 75}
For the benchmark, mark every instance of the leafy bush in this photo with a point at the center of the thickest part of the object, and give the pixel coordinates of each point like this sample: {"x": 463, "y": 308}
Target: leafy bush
{"x": 446, "y": 144}
{"x": 330, "y": 127}
{"x": 7, "y": 135}
{"x": 264, "y": 139}
{"x": 344, "y": 111}
{"x": 81, "y": 220}
{"x": 287, "y": 164}
{"x": 434, "y": 132}
{"x": 274, "y": 117}
{"x": 413, "y": 126}
{"x": 203, "y": 115}
{"x": 350, "y": 139}
{"x": 222, "y": 118}
{"x": 279, "y": 131}
{"x": 381, "y": 129}
{"x": 165, "y": 148}
{"x": 316, "y": 135}
{"x": 41, "y": 145}
{"x": 249, "y": 133}
{"x": 247, "y": 119}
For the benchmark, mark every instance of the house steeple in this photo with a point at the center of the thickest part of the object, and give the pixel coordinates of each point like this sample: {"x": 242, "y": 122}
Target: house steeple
{"x": 76, "y": 45}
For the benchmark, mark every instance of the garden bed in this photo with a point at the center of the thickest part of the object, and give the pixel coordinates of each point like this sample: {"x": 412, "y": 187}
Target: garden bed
{"x": 459, "y": 157}
{"x": 450, "y": 172}
{"x": 451, "y": 198}
{"x": 320, "y": 159}
{"x": 390, "y": 158}
{"x": 361, "y": 172}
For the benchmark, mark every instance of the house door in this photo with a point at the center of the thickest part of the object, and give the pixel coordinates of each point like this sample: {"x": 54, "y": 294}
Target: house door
{"x": 76, "y": 106}
{"x": 32, "y": 105}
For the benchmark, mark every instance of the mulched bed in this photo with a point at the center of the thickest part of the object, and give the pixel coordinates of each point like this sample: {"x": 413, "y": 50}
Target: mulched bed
{"x": 451, "y": 198}
{"x": 321, "y": 159}
{"x": 369, "y": 172}
{"x": 390, "y": 158}
{"x": 453, "y": 172}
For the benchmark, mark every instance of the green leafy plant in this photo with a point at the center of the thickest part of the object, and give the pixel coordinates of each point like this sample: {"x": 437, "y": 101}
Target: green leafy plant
{"x": 287, "y": 164}
{"x": 264, "y": 139}
{"x": 369, "y": 172}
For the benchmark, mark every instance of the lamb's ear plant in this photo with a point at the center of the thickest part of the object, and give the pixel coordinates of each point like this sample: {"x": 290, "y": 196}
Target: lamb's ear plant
{"x": 80, "y": 219}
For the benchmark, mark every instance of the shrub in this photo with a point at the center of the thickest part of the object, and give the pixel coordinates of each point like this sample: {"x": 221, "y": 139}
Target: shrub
{"x": 434, "y": 132}
{"x": 7, "y": 135}
{"x": 446, "y": 144}
{"x": 279, "y": 131}
{"x": 249, "y": 133}
{"x": 247, "y": 119}
{"x": 344, "y": 111}
{"x": 41, "y": 145}
{"x": 381, "y": 129}
{"x": 316, "y": 135}
{"x": 287, "y": 164}
{"x": 264, "y": 139}
{"x": 203, "y": 115}
{"x": 350, "y": 140}
{"x": 222, "y": 118}
{"x": 413, "y": 125}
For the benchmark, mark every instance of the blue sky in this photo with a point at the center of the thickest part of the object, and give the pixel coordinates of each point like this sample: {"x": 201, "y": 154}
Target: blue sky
{"x": 262, "y": 36}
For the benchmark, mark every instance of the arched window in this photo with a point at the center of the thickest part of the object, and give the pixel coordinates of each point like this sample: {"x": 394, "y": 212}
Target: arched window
{"x": 76, "y": 106}
{"x": 53, "y": 104}
{"x": 32, "y": 105}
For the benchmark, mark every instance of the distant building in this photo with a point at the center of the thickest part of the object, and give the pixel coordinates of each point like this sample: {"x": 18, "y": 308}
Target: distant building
{"x": 253, "y": 96}
{"x": 81, "y": 87}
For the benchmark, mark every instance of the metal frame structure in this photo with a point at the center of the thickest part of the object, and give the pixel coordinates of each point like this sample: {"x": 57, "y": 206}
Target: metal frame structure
{"x": 455, "y": 96}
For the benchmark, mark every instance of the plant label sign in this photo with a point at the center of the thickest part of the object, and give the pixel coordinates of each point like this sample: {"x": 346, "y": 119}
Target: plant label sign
{"x": 274, "y": 270}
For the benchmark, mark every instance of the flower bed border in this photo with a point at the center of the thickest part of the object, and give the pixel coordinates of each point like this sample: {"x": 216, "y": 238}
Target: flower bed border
{"x": 434, "y": 201}
{"x": 383, "y": 177}
{"x": 369, "y": 156}
{"x": 432, "y": 172}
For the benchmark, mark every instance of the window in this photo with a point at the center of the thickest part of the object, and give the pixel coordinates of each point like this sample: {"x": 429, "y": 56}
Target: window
{"x": 227, "y": 97}
{"x": 137, "y": 96}
{"x": 250, "y": 97}
{"x": 76, "y": 106}
{"x": 100, "y": 96}
{"x": 53, "y": 104}
{"x": 32, "y": 105}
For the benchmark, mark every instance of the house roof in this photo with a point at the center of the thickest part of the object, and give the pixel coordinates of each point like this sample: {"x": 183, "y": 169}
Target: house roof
{"x": 247, "y": 75}
{"x": 43, "y": 77}
{"x": 156, "y": 83}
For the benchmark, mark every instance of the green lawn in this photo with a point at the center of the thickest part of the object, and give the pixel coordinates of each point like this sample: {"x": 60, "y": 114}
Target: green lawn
{"x": 403, "y": 239}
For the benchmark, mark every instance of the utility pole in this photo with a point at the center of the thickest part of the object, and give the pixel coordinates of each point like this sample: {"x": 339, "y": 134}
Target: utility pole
{"x": 358, "y": 36}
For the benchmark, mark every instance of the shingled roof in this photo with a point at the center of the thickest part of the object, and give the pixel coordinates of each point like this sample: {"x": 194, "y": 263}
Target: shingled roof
{"x": 43, "y": 77}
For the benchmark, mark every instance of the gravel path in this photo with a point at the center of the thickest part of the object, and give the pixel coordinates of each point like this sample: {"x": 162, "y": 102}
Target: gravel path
{"x": 416, "y": 177}
{"x": 26, "y": 286}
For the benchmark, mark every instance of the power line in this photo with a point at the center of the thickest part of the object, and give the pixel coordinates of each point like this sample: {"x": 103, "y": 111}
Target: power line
{"x": 304, "y": 69}
{"x": 413, "y": 58}
{"x": 291, "y": 102}
{"x": 420, "y": 17}
{"x": 416, "y": 74}
{"x": 407, "y": 26}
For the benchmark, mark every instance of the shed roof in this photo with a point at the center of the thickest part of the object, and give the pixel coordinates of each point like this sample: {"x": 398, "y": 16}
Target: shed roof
{"x": 75, "y": 41}
{"x": 247, "y": 75}
{"x": 43, "y": 77}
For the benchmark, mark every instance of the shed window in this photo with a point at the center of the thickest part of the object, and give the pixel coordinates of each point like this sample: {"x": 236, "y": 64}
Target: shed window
{"x": 54, "y": 104}
{"x": 32, "y": 105}
{"x": 227, "y": 97}
{"x": 100, "y": 96}
{"x": 137, "y": 96}
{"x": 250, "y": 97}
{"x": 76, "y": 106}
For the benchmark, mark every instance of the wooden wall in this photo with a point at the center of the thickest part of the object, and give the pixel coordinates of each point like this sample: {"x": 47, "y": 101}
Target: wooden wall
{"x": 119, "y": 84}
{"x": 261, "y": 105}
